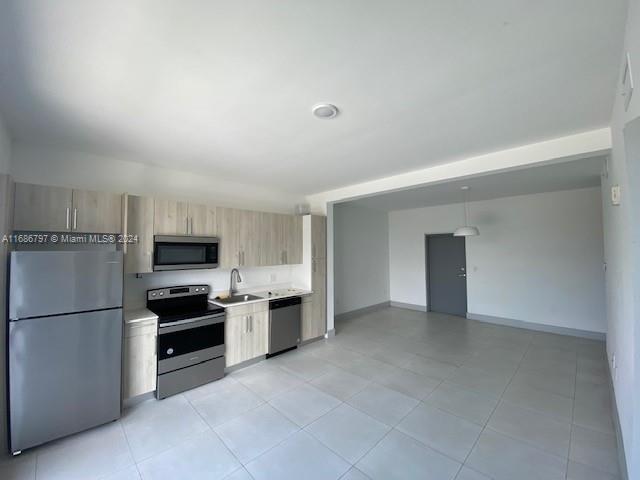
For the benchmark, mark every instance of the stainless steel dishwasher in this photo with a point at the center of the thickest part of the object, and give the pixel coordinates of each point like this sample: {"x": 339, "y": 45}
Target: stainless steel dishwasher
{"x": 285, "y": 316}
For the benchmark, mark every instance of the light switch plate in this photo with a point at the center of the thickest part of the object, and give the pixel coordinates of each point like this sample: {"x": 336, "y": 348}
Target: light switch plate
{"x": 615, "y": 195}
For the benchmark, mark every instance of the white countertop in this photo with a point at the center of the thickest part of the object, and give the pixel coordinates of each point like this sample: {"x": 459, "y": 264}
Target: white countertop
{"x": 265, "y": 297}
{"x": 136, "y": 315}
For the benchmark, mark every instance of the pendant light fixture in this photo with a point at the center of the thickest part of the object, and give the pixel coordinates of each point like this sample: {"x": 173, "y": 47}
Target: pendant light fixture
{"x": 466, "y": 230}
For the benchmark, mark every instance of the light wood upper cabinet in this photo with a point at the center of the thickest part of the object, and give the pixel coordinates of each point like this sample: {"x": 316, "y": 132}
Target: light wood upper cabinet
{"x": 202, "y": 220}
{"x": 249, "y": 237}
{"x": 170, "y": 217}
{"x": 42, "y": 208}
{"x": 294, "y": 240}
{"x": 227, "y": 231}
{"x": 46, "y": 208}
{"x": 139, "y": 222}
{"x": 269, "y": 239}
{"x": 318, "y": 236}
{"x": 97, "y": 212}
{"x": 240, "y": 237}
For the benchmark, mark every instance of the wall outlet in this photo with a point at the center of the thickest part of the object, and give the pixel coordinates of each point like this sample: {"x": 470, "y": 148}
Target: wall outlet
{"x": 615, "y": 195}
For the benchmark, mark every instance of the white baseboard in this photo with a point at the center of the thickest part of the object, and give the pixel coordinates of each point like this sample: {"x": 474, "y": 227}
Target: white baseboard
{"x": 541, "y": 327}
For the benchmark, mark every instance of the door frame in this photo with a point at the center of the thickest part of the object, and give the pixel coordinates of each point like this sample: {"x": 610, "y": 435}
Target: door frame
{"x": 426, "y": 267}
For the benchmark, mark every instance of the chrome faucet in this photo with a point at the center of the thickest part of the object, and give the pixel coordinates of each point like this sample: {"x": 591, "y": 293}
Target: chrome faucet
{"x": 235, "y": 273}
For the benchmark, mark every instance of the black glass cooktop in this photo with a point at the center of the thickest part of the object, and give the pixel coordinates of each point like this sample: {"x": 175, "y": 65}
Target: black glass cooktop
{"x": 182, "y": 308}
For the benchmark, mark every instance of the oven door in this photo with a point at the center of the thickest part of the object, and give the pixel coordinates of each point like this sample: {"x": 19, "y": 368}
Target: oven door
{"x": 190, "y": 342}
{"x": 184, "y": 253}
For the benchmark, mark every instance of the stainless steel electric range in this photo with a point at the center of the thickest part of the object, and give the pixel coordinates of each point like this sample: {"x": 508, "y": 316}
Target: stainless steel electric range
{"x": 190, "y": 338}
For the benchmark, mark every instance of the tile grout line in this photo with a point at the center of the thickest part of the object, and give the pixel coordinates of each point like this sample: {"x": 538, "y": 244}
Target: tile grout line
{"x": 496, "y": 406}
{"x": 126, "y": 437}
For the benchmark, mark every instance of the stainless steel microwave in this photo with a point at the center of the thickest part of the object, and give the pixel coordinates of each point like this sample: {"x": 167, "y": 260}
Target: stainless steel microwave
{"x": 176, "y": 252}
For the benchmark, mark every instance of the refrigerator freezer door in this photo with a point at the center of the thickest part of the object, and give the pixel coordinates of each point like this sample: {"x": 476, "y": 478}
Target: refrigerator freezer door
{"x": 65, "y": 375}
{"x": 53, "y": 283}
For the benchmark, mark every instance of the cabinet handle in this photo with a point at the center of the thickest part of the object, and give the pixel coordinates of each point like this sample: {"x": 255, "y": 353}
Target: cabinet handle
{"x": 243, "y": 257}
{"x": 251, "y": 323}
{"x": 68, "y": 214}
{"x": 191, "y": 227}
{"x": 75, "y": 218}
{"x": 314, "y": 266}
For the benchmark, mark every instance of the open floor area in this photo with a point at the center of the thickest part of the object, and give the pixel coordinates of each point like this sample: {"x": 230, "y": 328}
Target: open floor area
{"x": 395, "y": 394}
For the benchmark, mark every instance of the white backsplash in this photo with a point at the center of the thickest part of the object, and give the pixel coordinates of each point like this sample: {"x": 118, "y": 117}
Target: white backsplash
{"x": 255, "y": 278}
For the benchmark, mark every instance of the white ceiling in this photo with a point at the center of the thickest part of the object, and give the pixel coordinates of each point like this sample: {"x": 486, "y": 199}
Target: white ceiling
{"x": 226, "y": 87}
{"x": 549, "y": 178}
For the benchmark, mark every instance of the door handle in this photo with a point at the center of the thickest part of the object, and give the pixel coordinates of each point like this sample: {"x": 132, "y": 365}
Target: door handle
{"x": 75, "y": 218}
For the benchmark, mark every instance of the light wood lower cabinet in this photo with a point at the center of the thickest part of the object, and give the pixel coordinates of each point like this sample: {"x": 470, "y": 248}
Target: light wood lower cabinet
{"x": 140, "y": 366}
{"x": 246, "y": 332}
{"x": 314, "y": 316}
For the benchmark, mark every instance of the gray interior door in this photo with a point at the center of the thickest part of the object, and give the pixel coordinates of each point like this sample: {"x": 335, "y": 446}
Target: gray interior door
{"x": 446, "y": 274}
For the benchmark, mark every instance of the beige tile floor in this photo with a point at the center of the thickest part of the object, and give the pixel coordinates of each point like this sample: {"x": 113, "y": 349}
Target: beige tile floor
{"x": 396, "y": 394}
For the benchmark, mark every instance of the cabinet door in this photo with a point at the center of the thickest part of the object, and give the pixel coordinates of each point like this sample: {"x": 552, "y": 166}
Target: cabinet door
{"x": 236, "y": 330}
{"x": 319, "y": 298}
{"x": 139, "y": 372}
{"x": 38, "y": 207}
{"x": 227, "y": 222}
{"x": 313, "y": 321}
{"x": 258, "y": 341}
{"x": 139, "y": 217}
{"x": 294, "y": 240}
{"x": 170, "y": 217}
{"x": 249, "y": 237}
{"x": 268, "y": 239}
{"x": 318, "y": 236}
{"x": 202, "y": 220}
{"x": 96, "y": 212}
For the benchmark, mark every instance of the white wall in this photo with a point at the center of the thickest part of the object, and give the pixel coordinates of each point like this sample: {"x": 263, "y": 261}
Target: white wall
{"x": 361, "y": 252}
{"x": 538, "y": 257}
{"x": 621, "y": 253}
{"x": 50, "y": 166}
{"x": 5, "y": 148}
{"x": 5, "y": 164}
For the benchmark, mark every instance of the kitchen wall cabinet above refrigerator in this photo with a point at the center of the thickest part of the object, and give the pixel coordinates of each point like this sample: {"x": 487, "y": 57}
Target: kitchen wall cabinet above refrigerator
{"x": 57, "y": 209}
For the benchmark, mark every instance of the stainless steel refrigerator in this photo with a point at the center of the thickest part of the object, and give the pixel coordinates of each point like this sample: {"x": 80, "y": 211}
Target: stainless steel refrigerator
{"x": 64, "y": 343}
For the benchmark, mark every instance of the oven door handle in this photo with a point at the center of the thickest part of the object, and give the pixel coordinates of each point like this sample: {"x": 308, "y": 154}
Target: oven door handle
{"x": 189, "y": 323}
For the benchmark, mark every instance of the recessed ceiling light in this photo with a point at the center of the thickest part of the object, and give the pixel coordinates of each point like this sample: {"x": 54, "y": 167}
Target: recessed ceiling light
{"x": 325, "y": 111}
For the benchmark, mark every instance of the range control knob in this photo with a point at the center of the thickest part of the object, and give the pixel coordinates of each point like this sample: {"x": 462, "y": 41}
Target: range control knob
{"x": 197, "y": 289}
{"x": 161, "y": 293}
{"x": 170, "y": 351}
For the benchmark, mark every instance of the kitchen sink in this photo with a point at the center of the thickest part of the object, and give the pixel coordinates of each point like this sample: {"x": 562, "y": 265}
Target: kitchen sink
{"x": 237, "y": 299}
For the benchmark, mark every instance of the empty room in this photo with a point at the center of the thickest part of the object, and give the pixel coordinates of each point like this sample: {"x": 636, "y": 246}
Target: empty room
{"x": 272, "y": 240}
